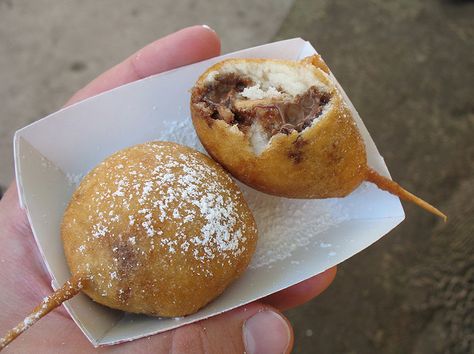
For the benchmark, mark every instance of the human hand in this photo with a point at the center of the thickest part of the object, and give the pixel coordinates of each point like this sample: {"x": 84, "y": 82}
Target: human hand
{"x": 258, "y": 327}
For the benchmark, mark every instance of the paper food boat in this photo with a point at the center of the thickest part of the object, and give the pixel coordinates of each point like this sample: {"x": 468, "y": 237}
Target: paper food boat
{"x": 298, "y": 238}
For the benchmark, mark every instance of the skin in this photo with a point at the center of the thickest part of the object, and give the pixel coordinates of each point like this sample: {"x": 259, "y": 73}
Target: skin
{"x": 24, "y": 282}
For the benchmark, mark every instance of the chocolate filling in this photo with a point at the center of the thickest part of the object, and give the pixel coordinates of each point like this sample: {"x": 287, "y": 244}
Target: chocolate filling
{"x": 276, "y": 115}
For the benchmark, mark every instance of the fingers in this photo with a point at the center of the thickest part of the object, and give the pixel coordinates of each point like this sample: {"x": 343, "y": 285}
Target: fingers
{"x": 267, "y": 331}
{"x": 184, "y": 47}
{"x": 255, "y": 328}
{"x": 11, "y": 215}
{"x": 302, "y": 292}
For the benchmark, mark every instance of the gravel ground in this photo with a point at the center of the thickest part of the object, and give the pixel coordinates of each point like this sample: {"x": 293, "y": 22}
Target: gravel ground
{"x": 408, "y": 67}
{"x": 49, "y": 49}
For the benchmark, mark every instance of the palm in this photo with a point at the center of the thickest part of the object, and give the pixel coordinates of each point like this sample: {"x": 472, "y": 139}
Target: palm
{"x": 24, "y": 282}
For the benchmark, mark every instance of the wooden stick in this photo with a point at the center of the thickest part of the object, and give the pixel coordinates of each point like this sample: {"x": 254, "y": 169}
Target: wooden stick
{"x": 394, "y": 188}
{"x": 72, "y": 287}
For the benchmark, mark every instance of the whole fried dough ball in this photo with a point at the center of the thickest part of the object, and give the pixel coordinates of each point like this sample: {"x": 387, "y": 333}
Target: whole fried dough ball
{"x": 158, "y": 229}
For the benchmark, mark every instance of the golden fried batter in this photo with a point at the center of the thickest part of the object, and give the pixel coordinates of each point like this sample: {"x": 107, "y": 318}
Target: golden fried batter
{"x": 158, "y": 229}
{"x": 283, "y": 128}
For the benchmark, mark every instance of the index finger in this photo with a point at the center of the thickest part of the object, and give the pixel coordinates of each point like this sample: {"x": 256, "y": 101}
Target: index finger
{"x": 301, "y": 293}
{"x": 189, "y": 45}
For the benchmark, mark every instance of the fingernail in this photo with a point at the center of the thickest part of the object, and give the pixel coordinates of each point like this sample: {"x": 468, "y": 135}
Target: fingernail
{"x": 208, "y": 27}
{"x": 266, "y": 332}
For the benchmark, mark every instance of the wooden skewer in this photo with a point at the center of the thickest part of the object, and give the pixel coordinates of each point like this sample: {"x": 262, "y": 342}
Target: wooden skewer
{"x": 70, "y": 289}
{"x": 394, "y": 188}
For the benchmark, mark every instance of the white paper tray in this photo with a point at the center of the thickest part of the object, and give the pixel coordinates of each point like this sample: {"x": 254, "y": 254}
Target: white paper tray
{"x": 318, "y": 234}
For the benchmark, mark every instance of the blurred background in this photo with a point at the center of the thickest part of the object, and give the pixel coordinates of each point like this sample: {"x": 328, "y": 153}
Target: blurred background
{"x": 407, "y": 65}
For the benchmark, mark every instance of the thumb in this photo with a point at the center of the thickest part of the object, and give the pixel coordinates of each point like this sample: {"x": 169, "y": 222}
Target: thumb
{"x": 253, "y": 329}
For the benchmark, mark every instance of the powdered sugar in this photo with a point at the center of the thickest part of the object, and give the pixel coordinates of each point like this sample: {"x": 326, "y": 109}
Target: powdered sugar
{"x": 280, "y": 222}
{"x": 152, "y": 200}
{"x": 181, "y": 132}
{"x": 74, "y": 179}
{"x": 284, "y": 225}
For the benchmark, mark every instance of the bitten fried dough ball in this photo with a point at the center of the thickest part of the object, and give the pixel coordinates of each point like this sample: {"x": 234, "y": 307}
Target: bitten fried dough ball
{"x": 283, "y": 127}
{"x": 158, "y": 229}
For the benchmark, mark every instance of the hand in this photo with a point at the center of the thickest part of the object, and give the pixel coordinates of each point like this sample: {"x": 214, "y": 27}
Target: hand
{"x": 258, "y": 327}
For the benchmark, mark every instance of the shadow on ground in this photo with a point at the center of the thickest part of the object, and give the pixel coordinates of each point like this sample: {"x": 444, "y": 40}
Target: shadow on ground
{"x": 408, "y": 67}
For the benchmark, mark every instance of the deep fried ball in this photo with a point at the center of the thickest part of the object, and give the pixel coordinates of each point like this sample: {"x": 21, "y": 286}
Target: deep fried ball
{"x": 284, "y": 128}
{"x": 159, "y": 229}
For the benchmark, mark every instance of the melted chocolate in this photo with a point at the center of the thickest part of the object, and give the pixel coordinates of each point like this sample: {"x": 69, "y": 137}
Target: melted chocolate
{"x": 299, "y": 113}
{"x": 279, "y": 116}
{"x": 225, "y": 88}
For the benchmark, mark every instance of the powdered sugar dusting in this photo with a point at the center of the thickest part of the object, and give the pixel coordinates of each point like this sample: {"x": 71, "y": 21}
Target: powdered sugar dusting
{"x": 279, "y": 220}
{"x": 74, "y": 179}
{"x": 181, "y": 132}
{"x": 163, "y": 199}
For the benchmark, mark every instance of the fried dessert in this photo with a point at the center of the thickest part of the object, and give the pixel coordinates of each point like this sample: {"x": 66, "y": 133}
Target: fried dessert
{"x": 158, "y": 229}
{"x": 283, "y": 127}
